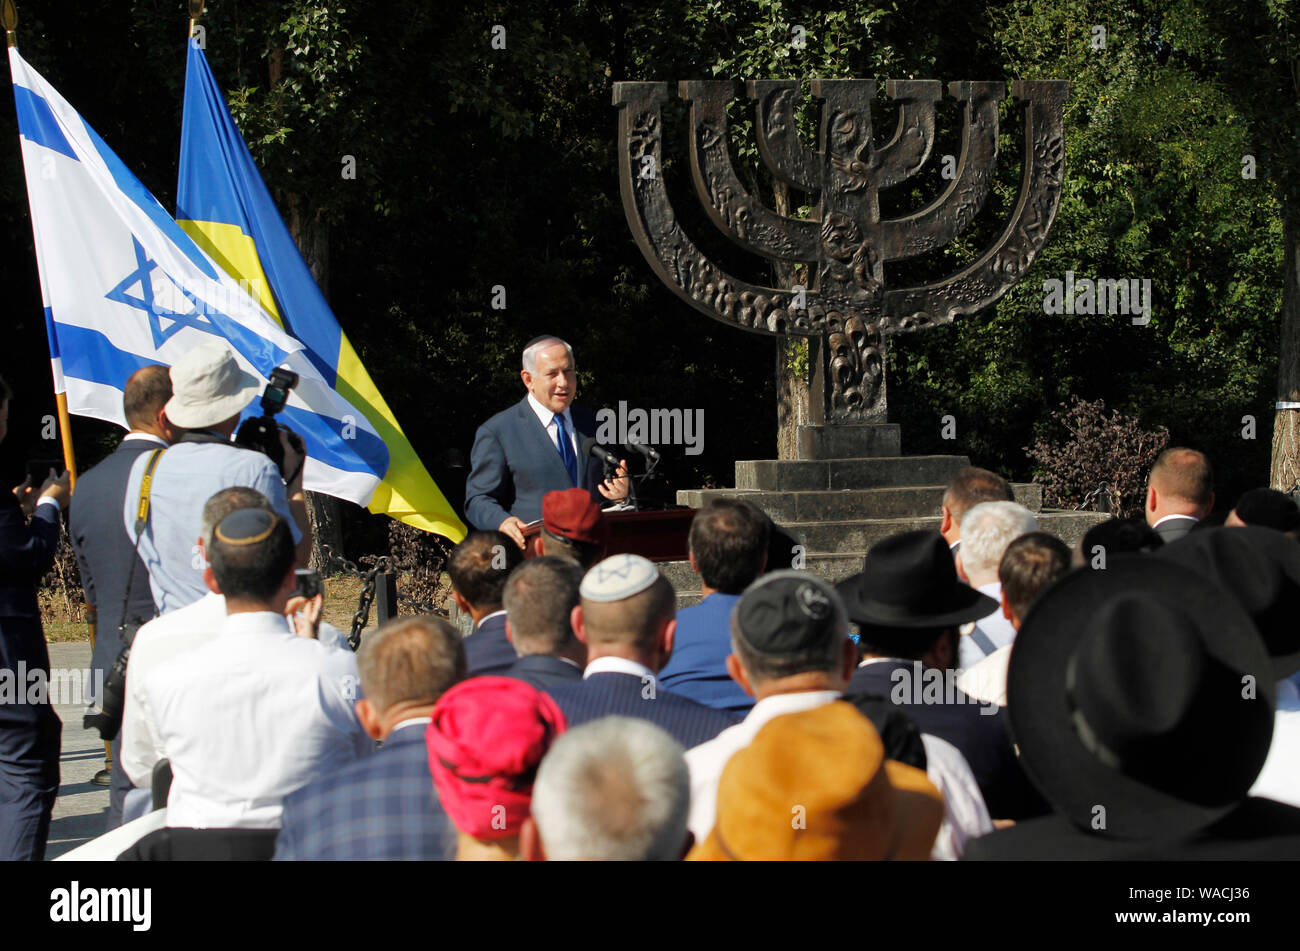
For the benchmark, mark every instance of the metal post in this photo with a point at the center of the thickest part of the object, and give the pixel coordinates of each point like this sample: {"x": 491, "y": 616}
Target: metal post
{"x": 385, "y": 596}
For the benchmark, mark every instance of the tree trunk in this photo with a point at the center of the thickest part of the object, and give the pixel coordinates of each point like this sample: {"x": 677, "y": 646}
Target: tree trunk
{"x": 312, "y": 237}
{"x": 796, "y": 357}
{"x": 1284, "y": 472}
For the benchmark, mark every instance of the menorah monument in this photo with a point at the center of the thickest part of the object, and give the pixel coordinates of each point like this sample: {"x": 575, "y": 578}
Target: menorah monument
{"x": 840, "y": 483}
{"x": 845, "y": 243}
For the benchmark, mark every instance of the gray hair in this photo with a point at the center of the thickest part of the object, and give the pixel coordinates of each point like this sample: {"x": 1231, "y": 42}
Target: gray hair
{"x": 823, "y": 658}
{"x": 986, "y": 531}
{"x": 537, "y": 346}
{"x": 615, "y": 789}
{"x": 226, "y": 501}
{"x": 539, "y": 596}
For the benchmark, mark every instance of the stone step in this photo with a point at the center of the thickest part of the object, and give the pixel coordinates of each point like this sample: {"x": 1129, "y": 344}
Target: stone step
{"x": 835, "y": 566}
{"x": 784, "y": 475}
{"x": 833, "y": 537}
{"x": 827, "y": 505}
{"x": 848, "y": 440}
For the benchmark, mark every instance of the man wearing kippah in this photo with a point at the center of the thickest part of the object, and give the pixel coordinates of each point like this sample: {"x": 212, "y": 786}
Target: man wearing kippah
{"x": 627, "y": 619}
{"x": 535, "y": 447}
{"x": 255, "y": 714}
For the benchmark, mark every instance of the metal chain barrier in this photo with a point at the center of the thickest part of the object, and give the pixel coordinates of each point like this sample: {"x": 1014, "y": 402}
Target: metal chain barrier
{"x": 1088, "y": 499}
{"x": 369, "y": 578}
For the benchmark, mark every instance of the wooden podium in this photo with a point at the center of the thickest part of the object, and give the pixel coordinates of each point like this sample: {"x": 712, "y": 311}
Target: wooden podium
{"x": 659, "y": 535}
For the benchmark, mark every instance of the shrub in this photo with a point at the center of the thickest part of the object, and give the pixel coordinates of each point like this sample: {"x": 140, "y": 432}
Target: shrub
{"x": 1082, "y": 447}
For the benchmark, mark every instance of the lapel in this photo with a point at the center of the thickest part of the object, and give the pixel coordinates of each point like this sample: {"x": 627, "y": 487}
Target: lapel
{"x": 538, "y": 436}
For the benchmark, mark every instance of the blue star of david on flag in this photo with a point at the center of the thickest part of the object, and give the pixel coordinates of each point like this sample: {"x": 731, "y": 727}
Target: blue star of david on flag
{"x": 146, "y": 302}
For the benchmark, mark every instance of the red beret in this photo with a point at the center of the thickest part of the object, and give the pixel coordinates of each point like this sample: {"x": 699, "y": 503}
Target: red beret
{"x": 574, "y": 515}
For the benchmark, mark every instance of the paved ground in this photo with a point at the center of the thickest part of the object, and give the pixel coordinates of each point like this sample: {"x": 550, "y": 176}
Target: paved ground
{"x": 82, "y": 807}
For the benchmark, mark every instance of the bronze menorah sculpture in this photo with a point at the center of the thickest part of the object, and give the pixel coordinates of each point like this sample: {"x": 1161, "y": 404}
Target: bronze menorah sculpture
{"x": 845, "y": 242}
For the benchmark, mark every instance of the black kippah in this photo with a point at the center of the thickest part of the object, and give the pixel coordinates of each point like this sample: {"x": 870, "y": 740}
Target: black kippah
{"x": 246, "y": 527}
{"x": 1269, "y": 508}
{"x": 786, "y": 616}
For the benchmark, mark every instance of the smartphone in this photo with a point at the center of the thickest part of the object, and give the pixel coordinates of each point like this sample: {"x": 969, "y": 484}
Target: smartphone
{"x": 38, "y": 470}
{"x": 309, "y": 583}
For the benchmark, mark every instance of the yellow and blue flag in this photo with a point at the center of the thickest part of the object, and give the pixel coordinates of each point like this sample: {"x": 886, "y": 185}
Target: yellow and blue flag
{"x": 223, "y": 204}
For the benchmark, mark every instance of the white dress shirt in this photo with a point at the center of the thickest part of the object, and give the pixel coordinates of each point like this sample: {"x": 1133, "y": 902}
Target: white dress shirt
{"x": 965, "y": 816}
{"x": 706, "y": 761}
{"x": 987, "y": 680}
{"x": 994, "y": 625}
{"x": 156, "y": 642}
{"x": 617, "y": 665}
{"x": 548, "y": 423}
{"x": 1280, "y": 778}
{"x": 249, "y": 717}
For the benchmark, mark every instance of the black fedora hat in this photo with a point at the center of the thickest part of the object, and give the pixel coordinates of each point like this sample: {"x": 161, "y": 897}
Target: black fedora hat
{"x": 1141, "y": 699}
{"x": 908, "y": 580}
{"x": 1260, "y": 567}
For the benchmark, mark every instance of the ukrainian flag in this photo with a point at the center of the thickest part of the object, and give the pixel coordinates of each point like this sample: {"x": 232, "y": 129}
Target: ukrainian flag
{"x": 224, "y": 205}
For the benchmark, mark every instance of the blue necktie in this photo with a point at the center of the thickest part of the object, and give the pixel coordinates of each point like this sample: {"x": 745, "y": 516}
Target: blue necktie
{"x": 566, "y": 448}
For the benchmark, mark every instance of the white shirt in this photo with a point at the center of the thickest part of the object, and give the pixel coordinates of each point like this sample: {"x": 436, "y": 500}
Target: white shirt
{"x": 987, "y": 680}
{"x": 964, "y": 814}
{"x": 161, "y": 639}
{"x": 994, "y": 625}
{"x": 617, "y": 665}
{"x": 1161, "y": 521}
{"x": 1280, "y": 778}
{"x": 707, "y": 760}
{"x": 249, "y": 717}
{"x": 548, "y": 423}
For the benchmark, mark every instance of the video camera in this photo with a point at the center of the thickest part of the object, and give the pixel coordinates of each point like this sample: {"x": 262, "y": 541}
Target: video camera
{"x": 263, "y": 432}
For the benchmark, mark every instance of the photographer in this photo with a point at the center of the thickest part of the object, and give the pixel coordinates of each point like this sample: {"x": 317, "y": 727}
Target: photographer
{"x": 209, "y": 391}
{"x": 30, "y": 733}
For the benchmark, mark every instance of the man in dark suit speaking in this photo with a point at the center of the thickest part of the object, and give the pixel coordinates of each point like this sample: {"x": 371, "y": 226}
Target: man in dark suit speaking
{"x": 534, "y": 447}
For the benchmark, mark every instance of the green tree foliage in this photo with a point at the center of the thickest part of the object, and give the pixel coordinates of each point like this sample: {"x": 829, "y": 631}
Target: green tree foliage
{"x": 478, "y": 166}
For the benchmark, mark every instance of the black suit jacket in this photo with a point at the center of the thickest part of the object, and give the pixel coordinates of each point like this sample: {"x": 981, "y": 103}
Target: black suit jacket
{"x": 488, "y": 652}
{"x": 544, "y": 671}
{"x": 29, "y": 732}
{"x": 1175, "y": 528}
{"x": 514, "y": 463}
{"x": 105, "y": 549}
{"x": 982, "y": 738}
{"x": 626, "y": 695}
{"x": 1257, "y": 829}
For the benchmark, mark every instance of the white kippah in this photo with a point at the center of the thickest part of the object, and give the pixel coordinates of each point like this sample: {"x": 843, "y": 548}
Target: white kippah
{"x": 618, "y": 577}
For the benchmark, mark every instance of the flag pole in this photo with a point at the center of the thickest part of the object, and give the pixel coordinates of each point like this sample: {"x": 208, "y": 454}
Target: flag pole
{"x": 9, "y": 13}
{"x": 196, "y": 11}
{"x": 9, "y": 17}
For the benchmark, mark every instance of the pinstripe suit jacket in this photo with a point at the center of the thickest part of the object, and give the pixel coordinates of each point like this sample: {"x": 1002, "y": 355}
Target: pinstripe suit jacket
{"x": 380, "y": 808}
{"x": 616, "y": 694}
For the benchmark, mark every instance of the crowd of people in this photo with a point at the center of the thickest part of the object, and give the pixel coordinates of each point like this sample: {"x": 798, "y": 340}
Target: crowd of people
{"x": 978, "y": 691}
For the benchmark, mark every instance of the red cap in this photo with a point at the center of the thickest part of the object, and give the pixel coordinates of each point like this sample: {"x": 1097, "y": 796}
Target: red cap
{"x": 486, "y": 738}
{"x": 574, "y": 515}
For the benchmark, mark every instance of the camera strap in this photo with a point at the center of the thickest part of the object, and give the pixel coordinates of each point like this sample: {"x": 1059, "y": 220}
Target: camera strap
{"x": 141, "y": 523}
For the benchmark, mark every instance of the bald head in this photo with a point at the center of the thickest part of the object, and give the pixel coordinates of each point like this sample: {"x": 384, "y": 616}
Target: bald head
{"x": 1181, "y": 483}
{"x": 146, "y": 392}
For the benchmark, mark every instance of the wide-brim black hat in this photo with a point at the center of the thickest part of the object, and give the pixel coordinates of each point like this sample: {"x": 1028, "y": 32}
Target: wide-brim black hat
{"x": 1260, "y": 567}
{"x": 909, "y": 581}
{"x": 1141, "y": 699}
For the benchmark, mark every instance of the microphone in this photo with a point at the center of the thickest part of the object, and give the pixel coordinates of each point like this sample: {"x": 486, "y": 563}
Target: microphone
{"x": 650, "y": 452}
{"x": 591, "y": 448}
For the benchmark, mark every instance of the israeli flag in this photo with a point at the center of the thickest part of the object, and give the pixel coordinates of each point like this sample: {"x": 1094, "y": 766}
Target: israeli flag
{"x": 124, "y": 287}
